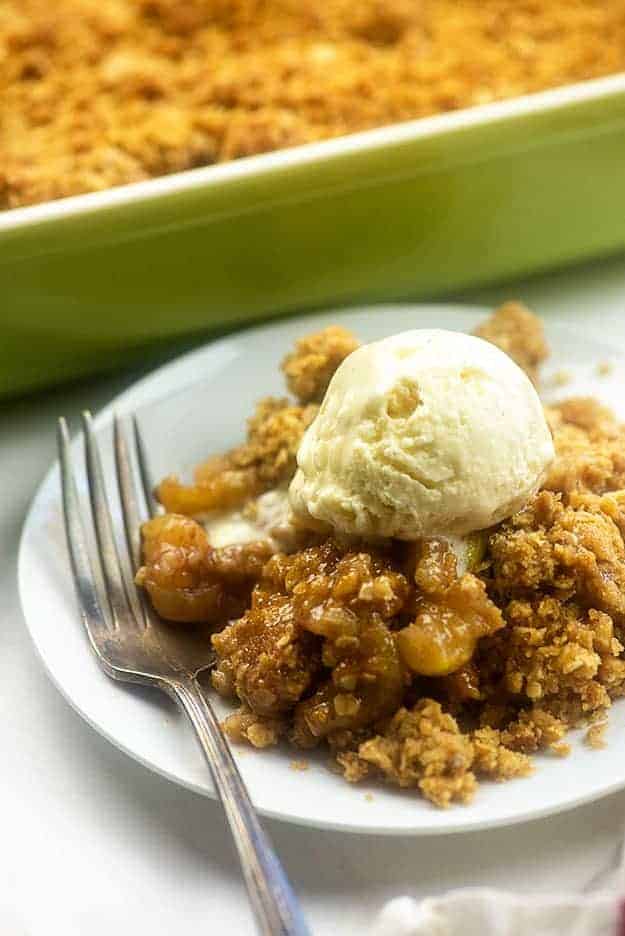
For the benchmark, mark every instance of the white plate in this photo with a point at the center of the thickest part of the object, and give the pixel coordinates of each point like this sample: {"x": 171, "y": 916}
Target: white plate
{"x": 197, "y": 405}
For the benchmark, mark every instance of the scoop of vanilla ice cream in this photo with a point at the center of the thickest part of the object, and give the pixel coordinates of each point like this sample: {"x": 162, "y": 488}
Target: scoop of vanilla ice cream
{"x": 428, "y": 432}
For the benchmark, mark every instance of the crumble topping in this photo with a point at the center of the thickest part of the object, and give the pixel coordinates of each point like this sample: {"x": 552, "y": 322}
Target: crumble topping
{"x": 403, "y": 669}
{"x": 310, "y": 367}
{"x": 519, "y": 333}
{"x": 95, "y": 95}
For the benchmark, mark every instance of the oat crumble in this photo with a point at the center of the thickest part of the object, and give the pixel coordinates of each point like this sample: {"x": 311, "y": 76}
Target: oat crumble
{"x": 404, "y": 670}
{"x": 101, "y": 94}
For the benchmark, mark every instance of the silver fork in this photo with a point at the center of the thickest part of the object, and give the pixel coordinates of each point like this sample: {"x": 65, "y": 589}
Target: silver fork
{"x": 133, "y": 644}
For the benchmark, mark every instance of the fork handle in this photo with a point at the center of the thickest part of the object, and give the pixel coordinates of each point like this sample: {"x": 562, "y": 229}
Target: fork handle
{"x": 275, "y": 905}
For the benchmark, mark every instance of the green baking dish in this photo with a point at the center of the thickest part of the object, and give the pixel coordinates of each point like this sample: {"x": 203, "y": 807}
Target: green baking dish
{"x": 410, "y": 210}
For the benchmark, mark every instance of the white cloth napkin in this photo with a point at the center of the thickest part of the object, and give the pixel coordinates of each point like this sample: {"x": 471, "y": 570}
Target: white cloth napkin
{"x": 486, "y": 912}
{"x": 483, "y": 911}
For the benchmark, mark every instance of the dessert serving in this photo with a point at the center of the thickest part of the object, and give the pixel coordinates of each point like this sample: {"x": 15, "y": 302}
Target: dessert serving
{"x": 412, "y": 563}
{"x": 94, "y": 95}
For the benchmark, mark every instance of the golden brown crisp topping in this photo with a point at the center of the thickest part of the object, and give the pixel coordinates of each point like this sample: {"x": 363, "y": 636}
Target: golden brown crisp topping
{"x": 265, "y": 461}
{"x": 518, "y": 332}
{"x": 569, "y": 551}
{"x": 588, "y": 414}
{"x": 494, "y": 760}
{"x": 264, "y": 659}
{"x": 101, "y": 94}
{"x": 534, "y": 729}
{"x": 321, "y": 604}
{"x": 423, "y": 748}
{"x": 555, "y": 655}
{"x": 310, "y": 367}
{"x": 590, "y": 448}
{"x": 366, "y": 683}
{"x": 274, "y": 434}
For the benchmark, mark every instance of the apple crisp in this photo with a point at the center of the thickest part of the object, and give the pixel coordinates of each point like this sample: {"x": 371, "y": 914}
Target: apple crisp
{"x": 402, "y": 665}
{"x": 101, "y": 94}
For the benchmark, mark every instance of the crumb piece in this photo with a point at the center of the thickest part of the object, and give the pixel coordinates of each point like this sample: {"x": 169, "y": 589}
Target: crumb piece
{"x": 309, "y": 369}
{"x": 423, "y": 748}
{"x": 494, "y": 760}
{"x": 560, "y": 748}
{"x": 595, "y": 735}
{"x": 604, "y": 368}
{"x": 258, "y": 730}
{"x": 352, "y": 767}
{"x": 299, "y": 765}
{"x": 369, "y": 797}
{"x": 518, "y": 332}
{"x": 534, "y": 730}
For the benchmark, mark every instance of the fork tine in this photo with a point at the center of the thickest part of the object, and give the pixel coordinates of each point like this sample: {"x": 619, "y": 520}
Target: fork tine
{"x": 147, "y": 481}
{"x": 117, "y": 575}
{"x": 134, "y": 511}
{"x": 91, "y": 598}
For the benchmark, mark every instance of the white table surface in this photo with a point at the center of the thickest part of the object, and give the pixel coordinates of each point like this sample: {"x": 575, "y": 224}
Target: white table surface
{"x": 92, "y": 843}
